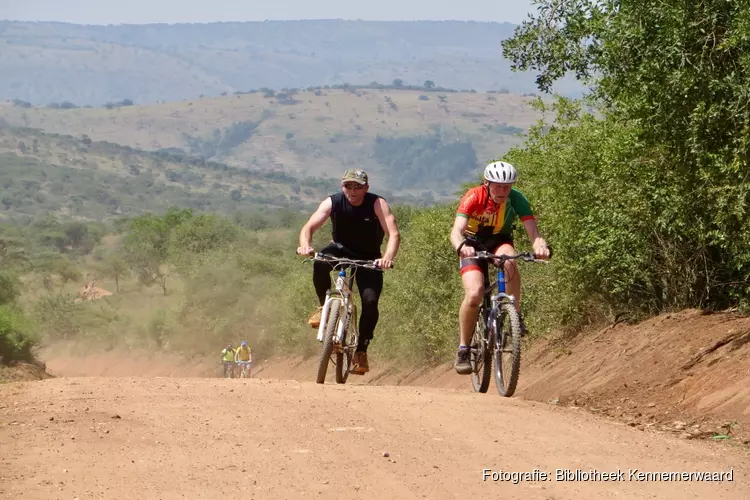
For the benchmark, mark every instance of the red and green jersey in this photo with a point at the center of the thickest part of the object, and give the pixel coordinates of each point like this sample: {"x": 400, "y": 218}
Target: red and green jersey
{"x": 486, "y": 218}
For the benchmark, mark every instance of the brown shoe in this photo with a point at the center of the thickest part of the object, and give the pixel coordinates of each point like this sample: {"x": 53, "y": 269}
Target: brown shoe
{"x": 314, "y": 320}
{"x": 359, "y": 364}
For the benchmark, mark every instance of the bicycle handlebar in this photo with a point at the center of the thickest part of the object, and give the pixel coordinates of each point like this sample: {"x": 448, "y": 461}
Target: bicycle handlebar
{"x": 527, "y": 256}
{"x": 369, "y": 264}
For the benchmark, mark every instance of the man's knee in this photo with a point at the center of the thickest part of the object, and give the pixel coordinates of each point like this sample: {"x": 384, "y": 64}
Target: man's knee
{"x": 511, "y": 271}
{"x": 370, "y": 299}
{"x": 473, "y": 295}
{"x": 511, "y": 267}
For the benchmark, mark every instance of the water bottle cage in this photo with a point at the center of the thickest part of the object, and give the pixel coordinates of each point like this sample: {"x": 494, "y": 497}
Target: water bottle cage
{"x": 340, "y": 280}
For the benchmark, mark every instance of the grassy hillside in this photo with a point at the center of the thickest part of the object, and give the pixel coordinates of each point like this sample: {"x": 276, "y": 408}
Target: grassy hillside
{"x": 55, "y": 62}
{"x": 77, "y": 177}
{"x": 314, "y": 133}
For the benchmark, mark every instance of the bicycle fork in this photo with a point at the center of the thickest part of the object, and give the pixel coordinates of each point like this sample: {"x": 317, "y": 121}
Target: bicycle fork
{"x": 324, "y": 316}
{"x": 341, "y": 327}
{"x": 341, "y": 287}
{"x": 346, "y": 324}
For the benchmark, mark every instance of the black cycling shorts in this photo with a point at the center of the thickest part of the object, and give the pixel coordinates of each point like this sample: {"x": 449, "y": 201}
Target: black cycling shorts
{"x": 490, "y": 244}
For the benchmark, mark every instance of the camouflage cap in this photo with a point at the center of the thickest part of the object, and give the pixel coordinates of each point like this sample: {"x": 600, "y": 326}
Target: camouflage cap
{"x": 356, "y": 175}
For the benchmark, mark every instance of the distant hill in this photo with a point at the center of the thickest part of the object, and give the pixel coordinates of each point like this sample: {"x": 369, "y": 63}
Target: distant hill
{"x": 76, "y": 177}
{"x": 48, "y": 62}
{"x": 420, "y": 143}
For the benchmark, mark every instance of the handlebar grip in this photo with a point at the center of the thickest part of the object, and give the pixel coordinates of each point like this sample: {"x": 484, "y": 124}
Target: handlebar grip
{"x": 460, "y": 246}
{"x": 458, "y": 250}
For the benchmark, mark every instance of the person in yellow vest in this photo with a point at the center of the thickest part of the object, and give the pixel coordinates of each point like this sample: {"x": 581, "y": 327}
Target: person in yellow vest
{"x": 227, "y": 359}
{"x": 244, "y": 355}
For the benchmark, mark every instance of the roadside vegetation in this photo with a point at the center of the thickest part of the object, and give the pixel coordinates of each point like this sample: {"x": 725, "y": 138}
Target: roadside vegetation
{"x": 641, "y": 187}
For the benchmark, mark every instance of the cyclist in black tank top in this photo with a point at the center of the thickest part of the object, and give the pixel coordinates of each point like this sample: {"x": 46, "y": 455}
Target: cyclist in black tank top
{"x": 360, "y": 221}
{"x": 357, "y": 228}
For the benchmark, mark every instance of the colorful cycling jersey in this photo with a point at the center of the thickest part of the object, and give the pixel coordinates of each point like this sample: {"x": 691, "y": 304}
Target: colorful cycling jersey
{"x": 227, "y": 354}
{"x": 243, "y": 354}
{"x": 486, "y": 218}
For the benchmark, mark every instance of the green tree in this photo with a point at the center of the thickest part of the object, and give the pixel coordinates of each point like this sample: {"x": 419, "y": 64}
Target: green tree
{"x": 10, "y": 288}
{"x": 50, "y": 265}
{"x": 13, "y": 251}
{"x": 67, "y": 272}
{"x": 146, "y": 247}
{"x": 16, "y": 336}
{"x": 198, "y": 236}
{"x": 116, "y": 267}
{"x": 670, "y": 80}
{"x": 47, "y": 231}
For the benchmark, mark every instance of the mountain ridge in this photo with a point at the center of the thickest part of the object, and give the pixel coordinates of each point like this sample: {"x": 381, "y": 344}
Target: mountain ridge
{"x": 49, "y": 62}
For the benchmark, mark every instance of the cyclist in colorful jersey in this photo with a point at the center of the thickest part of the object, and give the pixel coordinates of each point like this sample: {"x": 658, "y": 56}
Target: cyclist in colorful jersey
{"x": 227, "y": 354}
{"x": 486, "y": 214}
{"x": 243, "y": 355}
{"x": 227, "y": 359}
{"x": 243, "y": 352}
{"x": 360, "y": 220}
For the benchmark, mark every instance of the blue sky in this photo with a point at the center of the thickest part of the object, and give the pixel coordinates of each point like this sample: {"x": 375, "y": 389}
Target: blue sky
{"x": 199, "y": 11}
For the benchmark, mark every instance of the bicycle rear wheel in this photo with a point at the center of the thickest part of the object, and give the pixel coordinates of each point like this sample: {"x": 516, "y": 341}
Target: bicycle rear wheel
{"x": 479, "y": 357}
{"x": 507, "y": 353}
{"x": 330, "y": 330}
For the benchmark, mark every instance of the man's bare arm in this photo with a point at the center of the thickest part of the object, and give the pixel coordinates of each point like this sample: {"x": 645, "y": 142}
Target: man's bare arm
{"x": 537, "y": 242}
{"x": 316, "y": 221}
{"x": 390, "y": 227}
{"x": 457, "y": 235}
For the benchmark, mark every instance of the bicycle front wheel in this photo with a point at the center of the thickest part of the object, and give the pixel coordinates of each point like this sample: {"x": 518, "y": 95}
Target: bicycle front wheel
{"x": 343, "y": 362}
{"x": 344, "y": 354}
{"x": 330, "y": 331}
{"x": 479, "y": 357}
{"x": 507, "y": 340}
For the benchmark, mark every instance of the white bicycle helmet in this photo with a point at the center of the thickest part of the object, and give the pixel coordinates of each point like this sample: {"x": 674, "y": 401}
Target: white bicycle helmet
{"x": 500, "y": 172}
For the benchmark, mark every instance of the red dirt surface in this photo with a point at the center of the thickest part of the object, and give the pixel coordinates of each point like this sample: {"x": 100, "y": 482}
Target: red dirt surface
{"x": 166, "y": 435}
{"x": 20, "y": 371}
{"x": 686, "y": 372}
{"x": 166, "y": 438}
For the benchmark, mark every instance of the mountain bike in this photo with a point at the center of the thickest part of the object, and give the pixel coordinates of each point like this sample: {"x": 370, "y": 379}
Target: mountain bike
{"x": 497, "y": 335}
{"x": 228, "y": 369}
{"x": 245, "y": 369}
{"x": 338, "y": 330}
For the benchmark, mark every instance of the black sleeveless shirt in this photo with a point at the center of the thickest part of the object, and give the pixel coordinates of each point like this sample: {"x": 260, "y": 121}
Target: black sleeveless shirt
{"x": 357, "y": 228}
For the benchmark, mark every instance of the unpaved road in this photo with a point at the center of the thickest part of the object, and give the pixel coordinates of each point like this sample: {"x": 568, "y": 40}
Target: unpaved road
{"x": 164, "y": 438}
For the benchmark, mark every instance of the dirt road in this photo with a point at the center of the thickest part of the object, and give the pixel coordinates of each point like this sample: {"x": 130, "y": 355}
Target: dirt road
{"x": 165, "y": 438}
